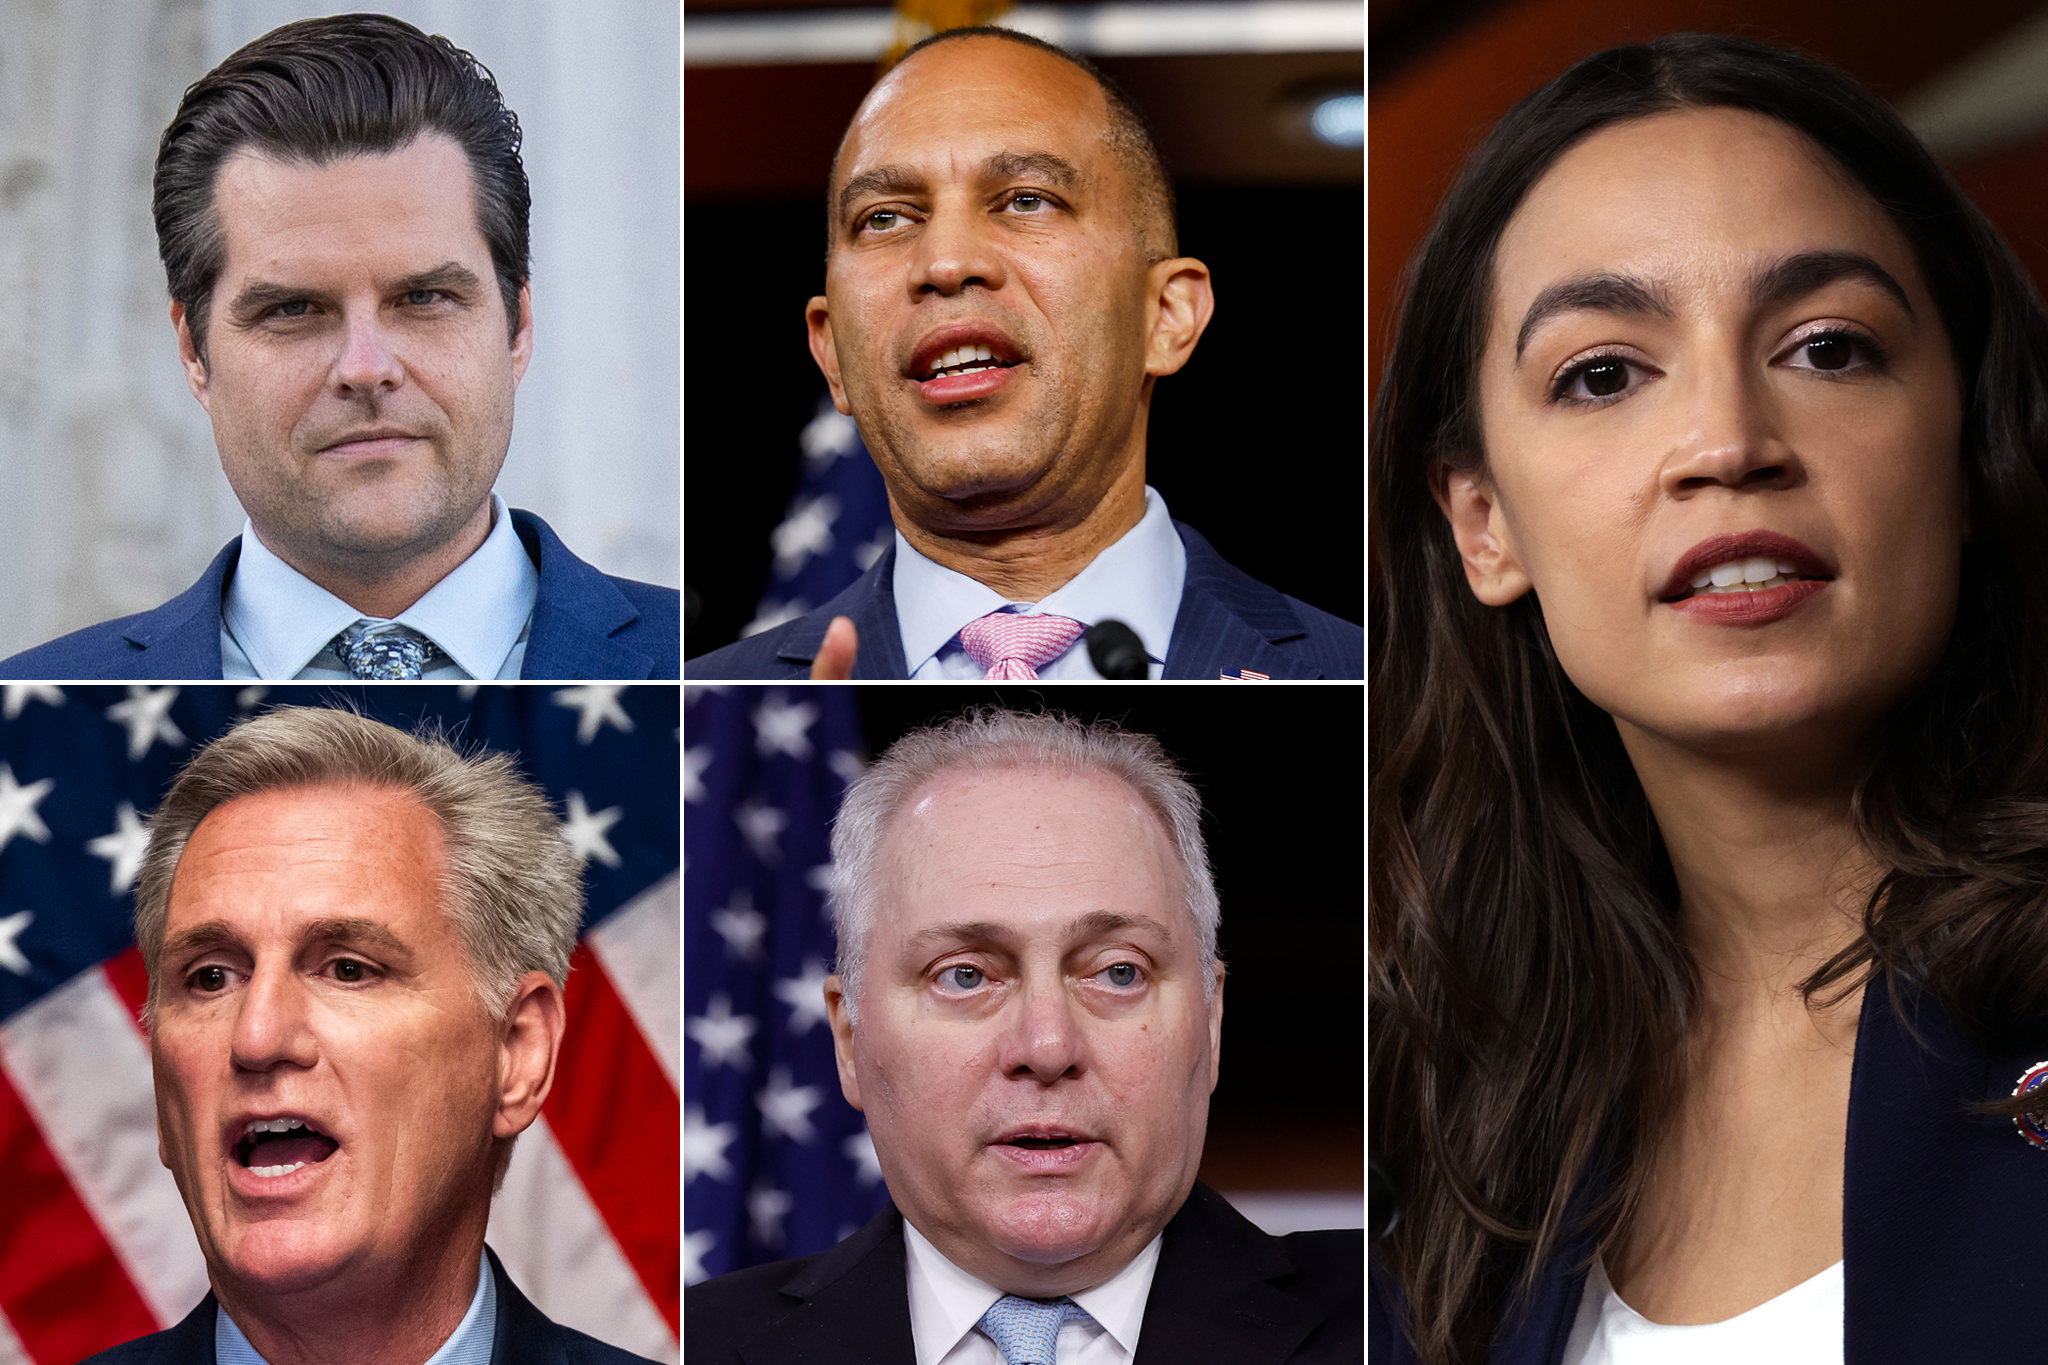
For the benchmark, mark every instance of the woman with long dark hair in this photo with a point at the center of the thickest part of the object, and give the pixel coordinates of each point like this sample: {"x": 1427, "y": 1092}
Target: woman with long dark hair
{"x": 1709, "y": 747}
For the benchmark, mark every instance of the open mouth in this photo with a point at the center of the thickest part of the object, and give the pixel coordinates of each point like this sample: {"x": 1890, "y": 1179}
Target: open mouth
{"x": 1754, "y": 574}
{"x": 965, "y": 360}
{"x": 271, "y": 1148}
{"x": 1041, "y": 1144}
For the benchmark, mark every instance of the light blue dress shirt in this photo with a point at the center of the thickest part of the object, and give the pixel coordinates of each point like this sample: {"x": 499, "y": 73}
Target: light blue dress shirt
{"x": 469, "y": 1345}
{"x": 1137, "y": 581}
{"x": 277, "y": 623}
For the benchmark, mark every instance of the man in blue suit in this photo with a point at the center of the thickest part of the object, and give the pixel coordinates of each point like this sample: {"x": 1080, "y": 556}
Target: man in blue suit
{"x": 342, "y": 213}
{"x": 1003, "y": 288}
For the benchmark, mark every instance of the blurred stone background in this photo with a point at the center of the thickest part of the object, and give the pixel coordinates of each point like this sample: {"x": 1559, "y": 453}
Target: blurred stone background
{"x": 111, "y": 497}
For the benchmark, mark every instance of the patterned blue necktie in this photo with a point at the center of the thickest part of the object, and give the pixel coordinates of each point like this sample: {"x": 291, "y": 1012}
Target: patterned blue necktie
{"x": 1027, "y": 1331}
{"x": 384, "y": 651}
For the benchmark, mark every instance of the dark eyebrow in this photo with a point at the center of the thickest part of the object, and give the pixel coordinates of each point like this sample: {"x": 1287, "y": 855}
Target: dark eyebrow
{"x": 1054, "y": 170}
{"x": 449, "y": 276}
{"x": 260, "y": 296}
{"x": 1810, "y": 270}
{"x": 880, "y": 180}
{"x": 1591, "y": 293}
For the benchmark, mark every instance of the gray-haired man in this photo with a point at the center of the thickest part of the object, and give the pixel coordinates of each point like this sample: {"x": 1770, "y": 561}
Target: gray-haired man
{"x": 356, "y": 942}
{"x": 1029, "y": 1011}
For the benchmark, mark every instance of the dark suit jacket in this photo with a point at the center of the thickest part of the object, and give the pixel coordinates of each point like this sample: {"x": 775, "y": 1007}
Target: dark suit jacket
{"x": 1942, "y": 1209}
{"x": 1228, "y": 621}
{"x": 586, "y": 624}
{"x": 1223, "y": 1292}
{"x": 525, "y": 1336}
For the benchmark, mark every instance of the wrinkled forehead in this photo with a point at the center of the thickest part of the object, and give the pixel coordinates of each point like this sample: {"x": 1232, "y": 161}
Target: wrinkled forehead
{"x": 1029, "y": 837}
{"x": 952, "y": 105}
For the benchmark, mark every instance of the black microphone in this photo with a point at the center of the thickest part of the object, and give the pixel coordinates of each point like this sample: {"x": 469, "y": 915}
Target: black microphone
{"x": 1116, "y": 651}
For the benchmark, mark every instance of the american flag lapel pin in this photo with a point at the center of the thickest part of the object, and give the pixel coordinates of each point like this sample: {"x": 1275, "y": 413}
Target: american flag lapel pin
{"x": 2033, "y": 1127}
{"x": 1244, "y": 675}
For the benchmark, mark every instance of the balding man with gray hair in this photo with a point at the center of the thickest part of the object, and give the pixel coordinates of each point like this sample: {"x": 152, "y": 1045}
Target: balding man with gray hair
{"x": 357, "y": 941}
{"x": 1029, "y": 1011}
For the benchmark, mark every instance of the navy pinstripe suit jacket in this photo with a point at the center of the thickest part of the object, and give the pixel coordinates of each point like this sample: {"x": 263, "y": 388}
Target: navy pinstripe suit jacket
{"x": 1228, "y": 622}
{"x": 1942, "y": 1209}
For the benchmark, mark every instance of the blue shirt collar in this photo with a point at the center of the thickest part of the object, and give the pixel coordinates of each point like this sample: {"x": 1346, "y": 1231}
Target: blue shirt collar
{"x": 1136, "y": 580}
{"x": 279, "y": 620}
{"x": 470, "y": 1344}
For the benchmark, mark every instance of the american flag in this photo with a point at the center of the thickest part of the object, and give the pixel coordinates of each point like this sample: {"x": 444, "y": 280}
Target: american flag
{"x": 775, "y": 1162}
{"x": 95, "y": 1246}
{"x": 836, "y": 526}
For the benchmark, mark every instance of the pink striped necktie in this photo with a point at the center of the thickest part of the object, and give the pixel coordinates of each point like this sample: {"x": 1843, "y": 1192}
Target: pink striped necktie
{"x": 1011, "y": 648}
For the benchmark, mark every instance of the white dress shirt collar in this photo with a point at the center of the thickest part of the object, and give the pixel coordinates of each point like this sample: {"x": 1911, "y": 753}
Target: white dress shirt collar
{"x": 278, "y": 621}
{"x": 469, "y": 1344}
{"x": 1136, "y": 580}
{"x": 946, "y": 1302}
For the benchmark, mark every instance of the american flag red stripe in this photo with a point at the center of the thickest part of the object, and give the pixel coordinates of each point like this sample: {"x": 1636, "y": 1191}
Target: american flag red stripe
{"x": 130, "y": 980}
{"x": 619, "y": 1122}
{"x": 55, "y": 1251}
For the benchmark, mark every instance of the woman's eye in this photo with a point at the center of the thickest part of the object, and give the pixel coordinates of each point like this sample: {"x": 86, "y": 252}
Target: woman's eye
{"x": 963, "y": 978}
{"x": 1121, "y": 974}
{"x": 1835, "y": 352}
{"x": 1602, "y": 376}
{"x": 208, "y": 979}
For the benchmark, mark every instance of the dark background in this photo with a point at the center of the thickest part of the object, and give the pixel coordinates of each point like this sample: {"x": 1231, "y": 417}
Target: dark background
{"x": 1257, "y": 443}
{"x": 1282, "y": 783}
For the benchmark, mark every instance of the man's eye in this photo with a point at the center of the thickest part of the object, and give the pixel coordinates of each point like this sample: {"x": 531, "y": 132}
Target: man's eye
{"x": 882, "y": 220}
{"x": 423, "y": 298}
{"x": 963, "y": 978}
{"x": 349, "y": 970}
{"x": 208, "y": 979}
{"x": 1121, "y": 974}
{"x": 1028, "y": 203}
{"x": 297, "y": 308}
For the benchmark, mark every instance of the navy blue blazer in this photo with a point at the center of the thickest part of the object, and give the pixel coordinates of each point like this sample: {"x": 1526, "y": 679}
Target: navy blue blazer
{"x": 1943, "y": 1210}
{"x": 1223, "y": 1293}
{"x": 525, "y": 1336}
{"x": 586, "y": 624}
{"x": 1228, "y": 621}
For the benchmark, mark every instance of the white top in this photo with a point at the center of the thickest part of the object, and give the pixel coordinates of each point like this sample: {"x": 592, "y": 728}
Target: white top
{"x": 469, "y": 1344}
{"x": 1137, "y": 581}
{"x": 277, "y": 623}
{"x": 1802, "y": 1326}
{"x": 946, "y": 1302}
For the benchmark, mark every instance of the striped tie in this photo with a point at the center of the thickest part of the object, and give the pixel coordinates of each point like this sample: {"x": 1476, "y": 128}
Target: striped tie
{"x": 1011, "y": 648}
{"x": 1027, "y": 1331}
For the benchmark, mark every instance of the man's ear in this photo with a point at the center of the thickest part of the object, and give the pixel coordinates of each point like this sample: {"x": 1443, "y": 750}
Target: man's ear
{"x": 842, "y": 1039}
{"x": 188, "y": 355}
{"x": 522, "y": 337}
{"x": 1472, "y": 506}
{"x": 528, "y": 1041}
{"x": 818, "y": 318}
{"x": 1181, "y": 303}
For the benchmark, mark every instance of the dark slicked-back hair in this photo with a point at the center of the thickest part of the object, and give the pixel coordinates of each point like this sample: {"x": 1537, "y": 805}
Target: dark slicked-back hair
{"x": 1126, "y": 133}
{"x": 321, "y": 89}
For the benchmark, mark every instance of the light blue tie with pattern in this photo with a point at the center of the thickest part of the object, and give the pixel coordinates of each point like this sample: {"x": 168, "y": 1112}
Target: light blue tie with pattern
{"x": 1027, "y": 1331}
{"x": 385, "y": 651}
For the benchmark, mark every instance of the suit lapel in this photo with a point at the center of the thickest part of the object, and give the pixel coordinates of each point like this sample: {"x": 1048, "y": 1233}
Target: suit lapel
{"x": 871, "y": 605}
{"x": 1942, "y": 1208}
{"x": 575, "y": 614}
{"x": 181, "y": 638}
{"x": 849, "y": 1307}
{"x": 1228, "y": 621}
{"x": 1210, "y": 1297}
